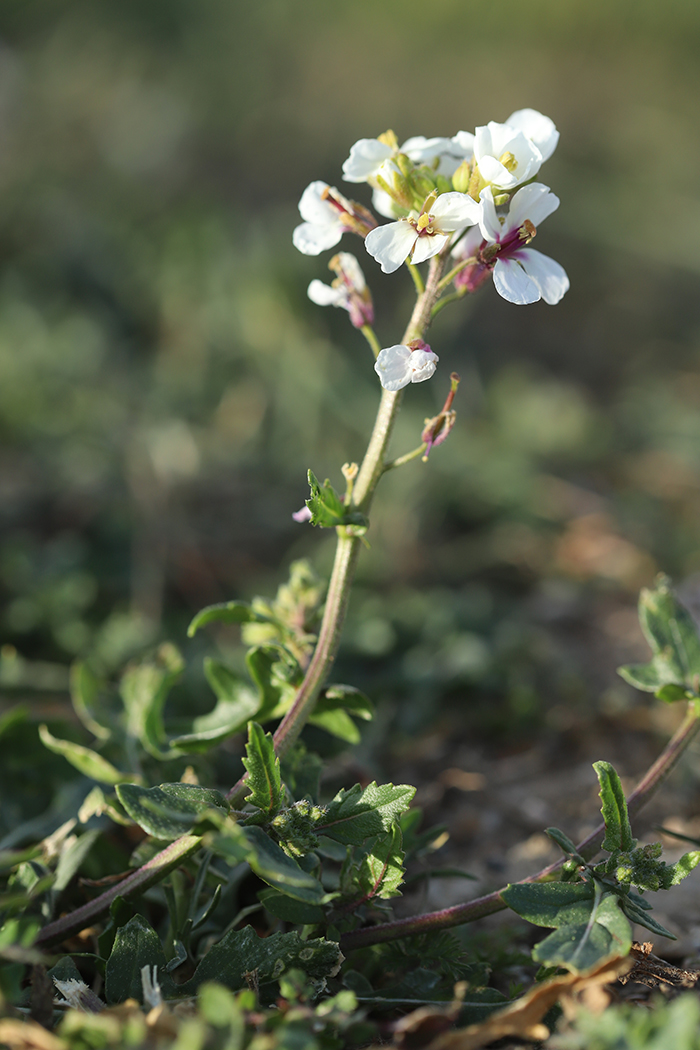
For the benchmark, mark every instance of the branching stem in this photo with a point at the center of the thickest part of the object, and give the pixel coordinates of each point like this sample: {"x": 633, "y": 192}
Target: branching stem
{"x": 460, "y": 914}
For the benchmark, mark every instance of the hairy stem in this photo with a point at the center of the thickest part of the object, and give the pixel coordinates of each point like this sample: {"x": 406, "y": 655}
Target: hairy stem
{"x": 324, "y": 654}
{"x": 460, "y": 914}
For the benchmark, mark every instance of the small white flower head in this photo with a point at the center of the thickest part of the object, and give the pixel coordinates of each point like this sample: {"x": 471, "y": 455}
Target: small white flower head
{"x": 443, "y": 155}
{"x": 328, "y": 215}
{"x": 511, "y": 153}
{"x": 424, "y": 235}
{"x": 348, "y": 291}
{"x": 520, "y": 274}
{"x": 399, "y": 365}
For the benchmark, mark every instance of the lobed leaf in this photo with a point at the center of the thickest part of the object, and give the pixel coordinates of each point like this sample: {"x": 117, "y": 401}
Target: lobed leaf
{"x": 356, "y": 815}
{"x": 618, "y": 832}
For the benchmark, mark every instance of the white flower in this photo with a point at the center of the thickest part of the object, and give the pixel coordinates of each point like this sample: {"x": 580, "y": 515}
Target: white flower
{"x": 521, "y": 274}
{"x": 349, "y": 290}
{"x": 424, "y": 235}
{"x": 328, "y": 216}
{"x": 399, "y": 365}
{"x": 511, "y": 153}
{"x": 443, "y": 154}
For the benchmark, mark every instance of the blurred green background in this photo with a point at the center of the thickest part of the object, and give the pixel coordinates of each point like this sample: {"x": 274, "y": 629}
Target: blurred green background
{"x": 165, "y": 383}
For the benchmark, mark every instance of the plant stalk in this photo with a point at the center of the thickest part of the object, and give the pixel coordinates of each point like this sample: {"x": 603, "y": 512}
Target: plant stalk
{"x": 460, "y": 914}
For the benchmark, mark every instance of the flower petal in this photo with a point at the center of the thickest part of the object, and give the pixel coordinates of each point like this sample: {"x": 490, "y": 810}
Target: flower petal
{"x": 548, "y": 275}
{"x": 513, "y": 284}
{"x": 469, "y": 244}
{"x": 489, "y": 222}
{"x": 390, "y": 244}
{"x": 454, "y": 211}
{"x": 534, "y": 202}
{"x": 324, "y": 295}
{"x": 427, "y": 247}
{"x": 382, "y": 202}
{"x": 393, "y": 368}
{"x": 313, "y": 207}
{"x": 422, "y": 364}
{"x": 347, "y": 267}
{"x": 312, "y": 239}
{"x": 365, "y": 157}
{"x": 537, "y": 127}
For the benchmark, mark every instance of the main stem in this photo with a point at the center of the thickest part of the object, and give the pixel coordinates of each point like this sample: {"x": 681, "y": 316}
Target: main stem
{"x": 460, "y": 914}
{"x": 325, "y": 652}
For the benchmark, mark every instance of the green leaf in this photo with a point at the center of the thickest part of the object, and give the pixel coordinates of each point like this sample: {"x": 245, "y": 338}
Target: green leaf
{"x": 358, "y": 814}
{"x": 276, "y": 674}
{"x": 273, "y": 866}
{"x": 241, "y": 951}
{"x": 681, "y": 868}
{"x": 589, "y": 924}
{"x": 618, "y": 833}
{"x": 236, "y": 705}
{"x": 263, "y": 767}
{"x": 381, "y": 871}
{"x": 642, "y": 917}
{"x": 144, "y": 688}
{"x": 226, "y": 612}
{"x": 136, "y": 945}
{"x": 86, "y": 761}
{"x": 171, "y": 810}
{"x": 301, "y": 772}
{"x": 332, "y": 712}
{"x": 73, "y": 853}
{"x": 674, "y": 671}
{"x": 289, "y": 910}
{"x": 327, "y": 508}
{"x": 84, "y": 691}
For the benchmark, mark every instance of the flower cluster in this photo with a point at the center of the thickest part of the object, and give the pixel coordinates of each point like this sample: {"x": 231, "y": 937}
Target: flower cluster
{"x": 471, "y": 198}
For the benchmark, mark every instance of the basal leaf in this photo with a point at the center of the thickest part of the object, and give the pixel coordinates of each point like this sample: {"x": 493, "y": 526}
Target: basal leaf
{"x": 144, "y": 688}
{"x": 618, "y": 833}
{"x": 84, "y": 759}
{"x": 170, "y": 810}
{"x": 136, "y": 945}
{"x": 356, "y": 815}
{"x": 237, "y": 703}
{"x": 263, "y": 767}
{"x": 226, "y": 612}
{"x": 242, "y": 951}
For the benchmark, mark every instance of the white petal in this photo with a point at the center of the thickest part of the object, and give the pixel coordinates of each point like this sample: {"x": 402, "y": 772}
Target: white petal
{"x": 392, "y": 367}
{"x": 422, "y": 364}
{"x": 548, "y": 275}
{"x": 534, "y": 202}
{"x": 383, "y": 203}
{"x": 427, "y": 247}
{"x": 489, "y": 222}
{"x": 365, "y": 157}
{"x": 454, "y": 211}
{"x": 350, "y": 268}
{"x": 463, "y": 145}
{"x": 537, "y": 127}
{"x": 422, "y": 150}
{"x": 311, "y": 239}
{"x": 324, "y": 295}
{"x": 494, "y": 172}
{"x": 312, "y": 207}
{"x": 390, "y": 244}
{"x": 513, "y": 284}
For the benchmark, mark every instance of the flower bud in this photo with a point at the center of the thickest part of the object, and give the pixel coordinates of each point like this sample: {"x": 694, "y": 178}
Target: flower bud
{"x": 437, "y": 429}
{"x": 460, "y": 179}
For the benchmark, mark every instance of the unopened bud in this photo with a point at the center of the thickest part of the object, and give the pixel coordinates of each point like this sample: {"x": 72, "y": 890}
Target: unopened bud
{"x": 388, "y": 138}
{"x": 437, "y": 429}
{"x": 460, "y": 179}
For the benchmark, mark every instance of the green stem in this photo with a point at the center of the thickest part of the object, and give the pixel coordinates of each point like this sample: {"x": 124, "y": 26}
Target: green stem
{"x": 417, "y": 279}
{"x": 406, "y": 458}
{"x": 324, "y": 654}
{"x": 442, "y": 303}
{"x": 369, "y": 334}
{"x": 460, "y": 914}
{"x": 449, "y": 277}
